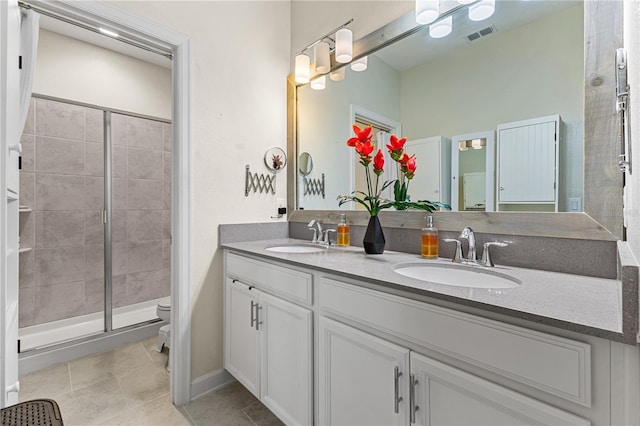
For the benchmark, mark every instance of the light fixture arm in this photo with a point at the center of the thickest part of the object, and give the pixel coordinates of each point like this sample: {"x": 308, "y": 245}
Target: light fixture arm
{"x": 326, "y": 36}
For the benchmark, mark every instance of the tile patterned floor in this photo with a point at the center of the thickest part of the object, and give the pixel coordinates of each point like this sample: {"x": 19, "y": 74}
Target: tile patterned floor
{"x": 130, "y": 386}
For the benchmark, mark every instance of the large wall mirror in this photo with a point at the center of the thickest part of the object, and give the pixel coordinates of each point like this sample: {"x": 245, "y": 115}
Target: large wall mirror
{"x": 531, "y": 59}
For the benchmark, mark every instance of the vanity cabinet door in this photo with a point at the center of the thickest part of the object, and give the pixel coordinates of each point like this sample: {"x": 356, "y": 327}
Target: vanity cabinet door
{"x": 241, "y": 336}
{"x": 286, "y": 359}
{"x": 445, "y": 395}
{"x": 363, "y": 379}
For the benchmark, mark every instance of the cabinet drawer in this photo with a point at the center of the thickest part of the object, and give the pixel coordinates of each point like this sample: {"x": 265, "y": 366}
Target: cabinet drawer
{"x": 556, "y": 365}
{"x": 288, "y": 283}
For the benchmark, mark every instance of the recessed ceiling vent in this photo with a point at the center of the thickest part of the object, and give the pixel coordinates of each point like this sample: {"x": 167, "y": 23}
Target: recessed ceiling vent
{"x": 482, "y": 33}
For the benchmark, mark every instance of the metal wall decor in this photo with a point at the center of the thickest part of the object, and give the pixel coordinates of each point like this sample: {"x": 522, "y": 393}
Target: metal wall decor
{"x": 314, "y": 186}
{"x": 275, "y": 160}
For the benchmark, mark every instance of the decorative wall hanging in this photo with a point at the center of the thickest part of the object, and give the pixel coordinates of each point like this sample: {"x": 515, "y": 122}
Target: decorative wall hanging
{"x": 275, "y": 160}
{"x": 314, "y": 186}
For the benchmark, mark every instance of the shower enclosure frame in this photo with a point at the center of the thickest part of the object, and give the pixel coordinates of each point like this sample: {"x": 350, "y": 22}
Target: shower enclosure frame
{"x": 99, "y": 13}
{"x": 106, "y": 214}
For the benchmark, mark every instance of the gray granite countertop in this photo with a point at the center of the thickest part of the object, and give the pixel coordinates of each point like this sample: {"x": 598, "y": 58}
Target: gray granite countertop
{"x": 583, "y": 304}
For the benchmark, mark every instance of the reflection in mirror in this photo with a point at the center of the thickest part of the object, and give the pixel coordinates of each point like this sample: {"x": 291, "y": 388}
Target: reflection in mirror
{"x": 305, "y": 163}
{"x": 526, "y": 61}
{"x": 473, "y": 172}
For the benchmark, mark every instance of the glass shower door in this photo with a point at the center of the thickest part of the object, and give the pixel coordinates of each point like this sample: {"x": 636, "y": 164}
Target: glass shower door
{"x": 61, "y": 230}
{"x": 141, "y": 217}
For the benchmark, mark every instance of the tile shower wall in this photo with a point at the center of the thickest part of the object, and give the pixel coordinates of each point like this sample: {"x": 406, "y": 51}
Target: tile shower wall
{"x": 62, "y": 181}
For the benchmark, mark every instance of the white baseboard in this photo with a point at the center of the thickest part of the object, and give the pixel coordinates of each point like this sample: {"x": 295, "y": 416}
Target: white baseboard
{"x": 210, "y": 381}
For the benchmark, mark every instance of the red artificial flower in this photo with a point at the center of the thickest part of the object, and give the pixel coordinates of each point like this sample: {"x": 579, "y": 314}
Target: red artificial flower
{"x": 408, "y": 165}
{"x": 364, "y": 149}
{"x": 378, "y": 163}
{"x": 362, "y": 135}
{"x": 395, "y": 147}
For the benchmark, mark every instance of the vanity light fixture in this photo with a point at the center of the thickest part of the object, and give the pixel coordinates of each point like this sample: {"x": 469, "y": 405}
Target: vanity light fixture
{"x": 319, "y": 83}
{"x": 360, "y": 64}
{"x": 321, "y": 54}
{"x": 302, "y": 68}
{"x": 472, "y": 143}
{"x": 482, "y": 10}
{"x": 477, "y": 143}
{"x": 344, "y": 45}
{"x": 109, "y": 32}
{"x": 338, "y": 75}
{"x": 342, "y": 41}
{"x": 427, "y": 11}
{"x": 441, "y": 28}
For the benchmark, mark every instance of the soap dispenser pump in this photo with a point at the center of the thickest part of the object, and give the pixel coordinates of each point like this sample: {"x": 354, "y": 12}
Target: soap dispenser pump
{"x": 344, "y": 238}
{"x": 429, "y": 246}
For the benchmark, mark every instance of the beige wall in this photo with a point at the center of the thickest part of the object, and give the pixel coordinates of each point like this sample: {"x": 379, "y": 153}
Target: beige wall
{"x": 74, "y": 70}
{"x": 239, "y": 63}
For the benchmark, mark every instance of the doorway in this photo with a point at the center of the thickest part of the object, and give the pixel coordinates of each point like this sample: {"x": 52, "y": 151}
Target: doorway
{"x": 145, "y": 32}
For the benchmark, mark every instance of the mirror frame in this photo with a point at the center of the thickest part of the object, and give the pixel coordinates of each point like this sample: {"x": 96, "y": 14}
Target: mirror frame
{"x": 603, "y": 212}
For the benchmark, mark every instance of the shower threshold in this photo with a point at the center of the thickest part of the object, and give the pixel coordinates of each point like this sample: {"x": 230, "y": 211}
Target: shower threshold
{"x": 55, "y": 332}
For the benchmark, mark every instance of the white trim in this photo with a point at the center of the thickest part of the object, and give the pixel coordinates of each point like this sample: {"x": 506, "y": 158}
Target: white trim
{"x": 148, "y": 32}
{"x": 210, "y": 382}
{"x": 490, "y": 167}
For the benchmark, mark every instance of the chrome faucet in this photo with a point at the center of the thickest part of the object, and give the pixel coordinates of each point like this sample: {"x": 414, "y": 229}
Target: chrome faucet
{"x": 472, "y": 259}
{"x": 467, "y": 234}
{"x": 327, "y": 239}
{"x": 486, "y": 253}
{"x": 317, "y": 232}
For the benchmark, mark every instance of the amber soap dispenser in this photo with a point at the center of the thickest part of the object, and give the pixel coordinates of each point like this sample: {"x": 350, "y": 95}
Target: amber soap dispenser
{"x": 344, "y": 238}
{"x": 429, "y": 240}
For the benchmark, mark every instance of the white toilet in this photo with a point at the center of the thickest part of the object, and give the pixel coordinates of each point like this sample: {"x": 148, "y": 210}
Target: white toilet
{"x": 163, "y": 310}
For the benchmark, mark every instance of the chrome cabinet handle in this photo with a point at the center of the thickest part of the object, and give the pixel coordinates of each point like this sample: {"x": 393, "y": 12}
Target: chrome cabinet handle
{"x": 254, "y": 320}
{"x": 412, "y": 398}
{"x": 396, "y": 388}
{"x": 258, "y": 309}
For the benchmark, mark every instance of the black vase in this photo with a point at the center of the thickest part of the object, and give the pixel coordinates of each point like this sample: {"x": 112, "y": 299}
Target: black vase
{"x": 373, "y": 241}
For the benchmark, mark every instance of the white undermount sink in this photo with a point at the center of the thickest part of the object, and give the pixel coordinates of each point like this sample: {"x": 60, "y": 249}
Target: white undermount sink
{"x": 456, "y": 275}
{"x": 296, "y": 248}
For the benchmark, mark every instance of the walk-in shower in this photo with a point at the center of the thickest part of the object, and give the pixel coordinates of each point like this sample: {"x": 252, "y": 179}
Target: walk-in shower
{"x": 95, "y": 217}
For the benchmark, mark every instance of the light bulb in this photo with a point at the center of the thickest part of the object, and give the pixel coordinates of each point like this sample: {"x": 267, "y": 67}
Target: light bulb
{"x": 319, "y": 83}
{"x": 338, "y": 75}
{"x": 321, "y": 53}
{"x": 302, "y": 68}
{"x": 427, "y": 11}
{"x": 344, "y": 45}
{"x": 360, "y": 64}
{"x": 476, "y": 143}
{"x": 482, "y": 10}
{"x": 442, "y": 28}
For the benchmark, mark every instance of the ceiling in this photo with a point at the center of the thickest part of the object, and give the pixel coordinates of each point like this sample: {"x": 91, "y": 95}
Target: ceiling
{"x": 420, "y": 47}
{"x": 101, "y": 40}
